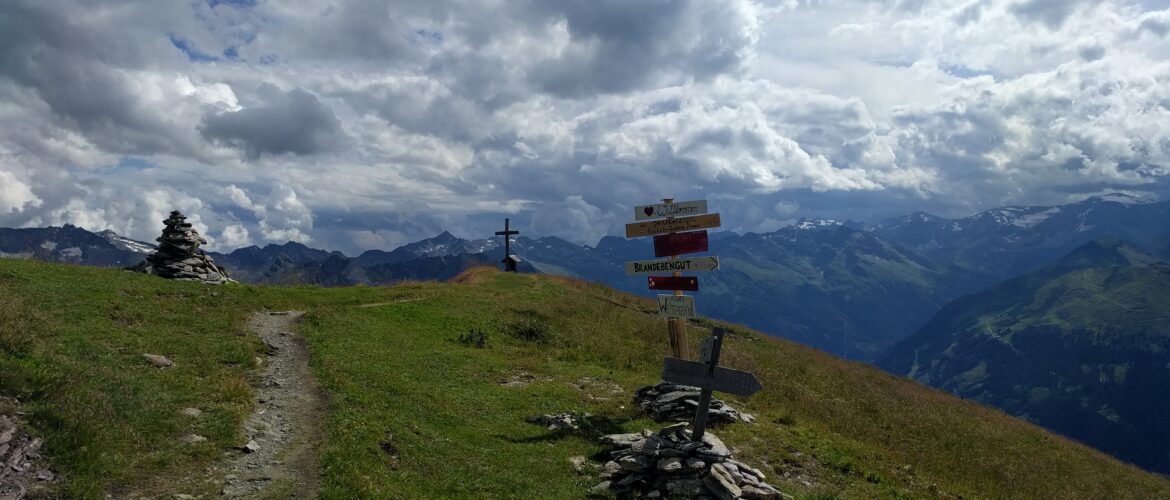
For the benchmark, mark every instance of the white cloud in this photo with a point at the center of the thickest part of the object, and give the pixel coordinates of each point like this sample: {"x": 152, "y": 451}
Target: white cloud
{"x": 234, "y": 236}
{"x": 15, "y": 196}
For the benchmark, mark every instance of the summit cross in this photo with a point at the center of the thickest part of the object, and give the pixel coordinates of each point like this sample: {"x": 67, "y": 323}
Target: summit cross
{"x": 509, "y": 263}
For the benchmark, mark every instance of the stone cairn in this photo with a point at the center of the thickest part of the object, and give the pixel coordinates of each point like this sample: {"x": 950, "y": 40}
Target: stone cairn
{"x": 669, "y": 464}
{"x": 179, "y": 257}
{"x": 670, "y": 402}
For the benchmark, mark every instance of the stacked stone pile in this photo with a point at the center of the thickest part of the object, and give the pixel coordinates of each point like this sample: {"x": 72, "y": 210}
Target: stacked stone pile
{"x": 672, "y": 402}
{"x": 179, "y": 257}
{"x": 669, "y": 464}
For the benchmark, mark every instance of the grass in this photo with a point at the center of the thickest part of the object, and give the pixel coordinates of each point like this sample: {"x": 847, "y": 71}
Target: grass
{"x": 417, "y": 413}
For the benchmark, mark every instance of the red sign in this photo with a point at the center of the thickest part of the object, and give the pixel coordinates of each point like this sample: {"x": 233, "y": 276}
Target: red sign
{"x": 688, "y": 283}
{"x": 679, "y": 243}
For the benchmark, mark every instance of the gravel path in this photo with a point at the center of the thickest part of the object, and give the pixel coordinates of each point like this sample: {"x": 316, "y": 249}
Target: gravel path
{"x": 284, "y": 433}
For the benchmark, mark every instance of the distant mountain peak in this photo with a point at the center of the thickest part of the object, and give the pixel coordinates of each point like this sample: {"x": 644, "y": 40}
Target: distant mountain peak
{"x": 1106, "y": 252}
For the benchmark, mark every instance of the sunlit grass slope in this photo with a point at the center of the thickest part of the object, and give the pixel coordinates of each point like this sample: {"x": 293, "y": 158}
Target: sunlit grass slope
{"x": 416, "y": 412}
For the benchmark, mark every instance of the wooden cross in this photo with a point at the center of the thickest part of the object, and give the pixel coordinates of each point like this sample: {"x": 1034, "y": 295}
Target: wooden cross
{"x": 509, "y": 262}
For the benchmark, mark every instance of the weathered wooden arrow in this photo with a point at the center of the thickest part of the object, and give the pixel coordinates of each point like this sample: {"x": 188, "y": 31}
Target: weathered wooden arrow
{"x": 681, "y": 371}
{"x": 708, "y": 377}
{"x": 672, "y": 266}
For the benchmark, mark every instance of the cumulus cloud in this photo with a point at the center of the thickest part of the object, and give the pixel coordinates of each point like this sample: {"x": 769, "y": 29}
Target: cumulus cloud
{"x": 361, "y": 123}
{"x": 15, "y": 195}
{"x": 235, "y": 236}
{"x": 280, "y": 122}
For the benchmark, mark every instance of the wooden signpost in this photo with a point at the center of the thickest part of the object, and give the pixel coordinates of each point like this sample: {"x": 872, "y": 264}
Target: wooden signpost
{"x": 680, "y": 209}
{"x": 708, "y": 376}
{"x": 676, "y": 265}
{"x": 674, "y": 244}
{"x": 672, "y": 225}
{"x": 686, "y": 283}
{"x": 676, "y": 306}
{"x": 677, "y": 228}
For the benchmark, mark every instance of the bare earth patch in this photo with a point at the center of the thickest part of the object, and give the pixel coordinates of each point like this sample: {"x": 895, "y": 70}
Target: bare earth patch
{"x": 279, "y": 459}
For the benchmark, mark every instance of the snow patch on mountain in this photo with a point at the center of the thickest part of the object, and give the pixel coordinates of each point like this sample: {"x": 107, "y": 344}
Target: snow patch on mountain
{"x": 124, "y": 243}
{"x": 807, "y": 224}
{"x": 1023, "y": 217}
{"x": 1122, "y": 198}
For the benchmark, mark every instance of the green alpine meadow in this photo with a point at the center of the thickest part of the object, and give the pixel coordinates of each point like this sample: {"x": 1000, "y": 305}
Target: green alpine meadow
{"x": 428, "y": 388}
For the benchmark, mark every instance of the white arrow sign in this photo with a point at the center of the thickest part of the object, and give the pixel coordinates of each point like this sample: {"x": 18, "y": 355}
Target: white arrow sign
{"x": 680, "y": 209}
{"x": 676, "y": 306}
{"x": 670, "y": 266}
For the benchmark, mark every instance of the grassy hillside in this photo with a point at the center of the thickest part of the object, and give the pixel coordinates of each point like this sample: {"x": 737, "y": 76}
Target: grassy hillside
{"x": 1083, "y": 351}
{"x": 416, "y": 412}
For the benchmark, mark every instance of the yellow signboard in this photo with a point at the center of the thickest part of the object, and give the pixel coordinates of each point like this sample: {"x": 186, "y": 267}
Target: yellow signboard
{"x": 677, "y": 224}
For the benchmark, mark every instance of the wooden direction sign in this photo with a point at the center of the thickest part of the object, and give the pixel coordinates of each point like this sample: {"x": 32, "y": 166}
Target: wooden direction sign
{"x": 681, "y": 371}
{"x": 708, "y": 376}
{"x": 676, "y": 306}
{"x": 672, "y": 266}
{"x": 680, "y": 243}
{"x": 680, "y": 209}
{"x": 663, "y": 226}
{"x": 687, "y": 283}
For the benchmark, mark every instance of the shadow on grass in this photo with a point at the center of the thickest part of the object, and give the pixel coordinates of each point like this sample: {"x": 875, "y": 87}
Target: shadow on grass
{"x": 590, "y": 427}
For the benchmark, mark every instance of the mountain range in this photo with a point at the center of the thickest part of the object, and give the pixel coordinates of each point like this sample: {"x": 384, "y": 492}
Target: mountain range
{"x": 1055, "y": 314}
{"x": 832, "y": 285}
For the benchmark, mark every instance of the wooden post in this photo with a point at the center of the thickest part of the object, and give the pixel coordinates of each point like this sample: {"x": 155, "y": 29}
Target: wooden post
{"x": 676, "y": 328}
{"x": 700, "y": 422}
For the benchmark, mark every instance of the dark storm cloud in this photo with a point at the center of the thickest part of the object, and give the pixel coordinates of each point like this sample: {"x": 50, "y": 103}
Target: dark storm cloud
{"x": 282, "y": 122}
{"x": 1050, "y": 13}
{"x": 969, "y": 14}
{"x": 1092, "y": 52}
{"x": 1159, "y": 27}
{"x": 620, "y": 45}
{"x": 78, "y": 68}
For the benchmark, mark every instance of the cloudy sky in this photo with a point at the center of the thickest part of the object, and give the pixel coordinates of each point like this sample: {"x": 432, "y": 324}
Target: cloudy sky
{"x": 367, "y": 124}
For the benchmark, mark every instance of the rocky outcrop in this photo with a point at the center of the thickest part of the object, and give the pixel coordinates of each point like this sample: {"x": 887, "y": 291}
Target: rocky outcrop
{"x": 669, "y": 464}
{"x": 672, "y": 402}
{"x": 21, "y": 473}
{"x": 178, "y": 256}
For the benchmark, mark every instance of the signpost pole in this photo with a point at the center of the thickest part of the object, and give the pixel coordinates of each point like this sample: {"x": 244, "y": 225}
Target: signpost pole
{"x": 676, "y": 328}
{"x": 700, "y": 424}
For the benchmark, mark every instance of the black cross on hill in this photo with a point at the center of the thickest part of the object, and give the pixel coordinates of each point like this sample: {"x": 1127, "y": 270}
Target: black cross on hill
{"x": 510, "y": 260}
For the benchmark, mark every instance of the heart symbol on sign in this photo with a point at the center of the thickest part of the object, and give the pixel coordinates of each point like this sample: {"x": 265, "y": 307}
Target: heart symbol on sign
{"x": 648, "y": 210}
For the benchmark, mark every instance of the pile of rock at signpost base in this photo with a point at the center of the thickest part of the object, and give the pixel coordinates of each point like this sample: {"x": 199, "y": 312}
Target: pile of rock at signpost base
{"x": 668, "y": 464}
{"x": 561, "y": 422}
{"x": 672, "y": 402}
{"x": 178, "y": 256}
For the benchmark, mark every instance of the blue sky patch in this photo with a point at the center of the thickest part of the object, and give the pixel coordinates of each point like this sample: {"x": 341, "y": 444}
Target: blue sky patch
{"x": 188, "y": 48}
